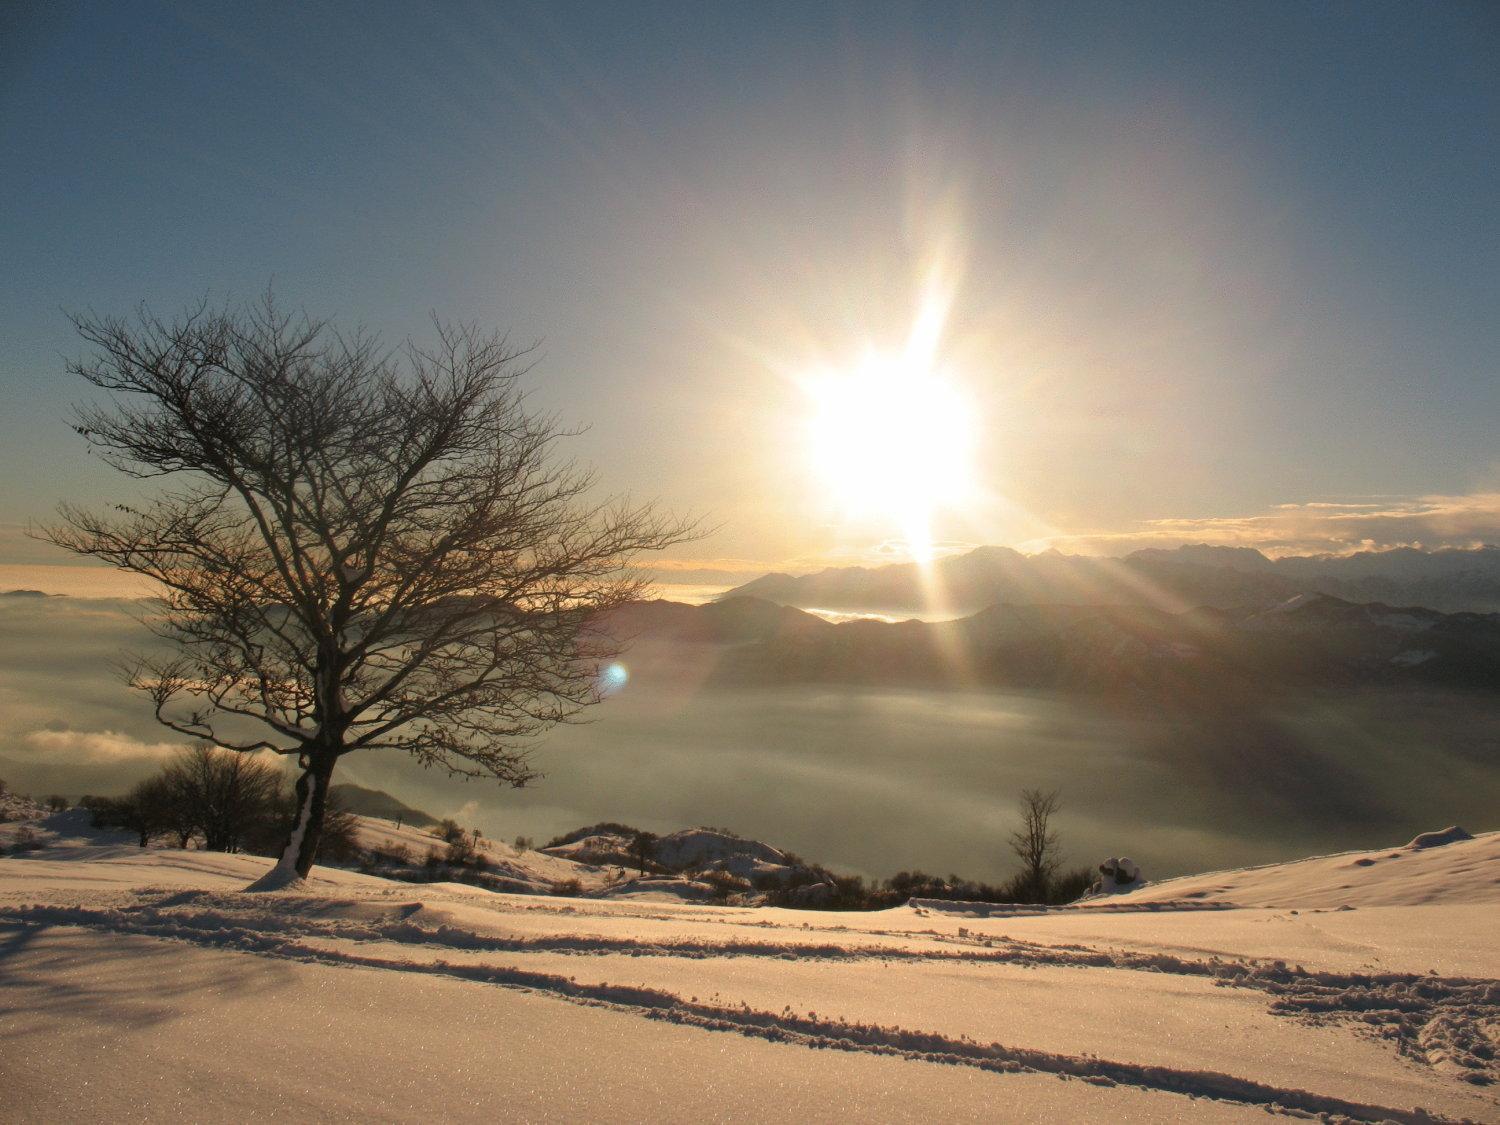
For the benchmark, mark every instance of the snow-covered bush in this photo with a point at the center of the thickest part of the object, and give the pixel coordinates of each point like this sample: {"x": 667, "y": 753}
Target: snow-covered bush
{"x": 1118, "y": 874}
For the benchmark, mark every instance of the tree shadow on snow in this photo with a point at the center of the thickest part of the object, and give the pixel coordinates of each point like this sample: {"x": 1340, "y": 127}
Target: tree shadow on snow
{"x": 54, "y": 974}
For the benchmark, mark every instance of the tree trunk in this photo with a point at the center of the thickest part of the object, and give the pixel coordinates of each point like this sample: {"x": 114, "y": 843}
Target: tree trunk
{"x": 307, "y": 825}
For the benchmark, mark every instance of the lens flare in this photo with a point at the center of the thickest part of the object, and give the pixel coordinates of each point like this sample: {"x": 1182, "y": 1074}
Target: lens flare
{"x": 612, "y": 678}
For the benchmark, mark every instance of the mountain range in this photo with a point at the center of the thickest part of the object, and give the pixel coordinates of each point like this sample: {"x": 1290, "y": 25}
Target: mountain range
{"x": 1230, "y": 578}
{"x": 1309, "y": 640}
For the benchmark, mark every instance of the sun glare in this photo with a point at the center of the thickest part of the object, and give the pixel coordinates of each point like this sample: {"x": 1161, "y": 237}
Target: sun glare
{"x": 893, "y": 441}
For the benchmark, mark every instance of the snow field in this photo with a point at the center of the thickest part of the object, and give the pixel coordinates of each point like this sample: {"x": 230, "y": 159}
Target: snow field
{"x": 135, "y": 983}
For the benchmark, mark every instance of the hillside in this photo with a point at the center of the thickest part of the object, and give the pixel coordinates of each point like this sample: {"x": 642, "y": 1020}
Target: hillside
{"x": 377, "y": 803}
{"x": 1231, "y": 578}
{"x": 1437, "y": 867}
{"x": 124, "y": 969}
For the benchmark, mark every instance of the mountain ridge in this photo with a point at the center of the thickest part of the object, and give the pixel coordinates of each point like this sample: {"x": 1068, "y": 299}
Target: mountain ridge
{"x": 1308, "y": 640}
{"x": 1450, "y": 580}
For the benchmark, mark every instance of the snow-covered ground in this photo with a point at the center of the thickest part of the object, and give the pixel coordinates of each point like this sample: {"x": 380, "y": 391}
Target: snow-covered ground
{"x": 140, "y": 984}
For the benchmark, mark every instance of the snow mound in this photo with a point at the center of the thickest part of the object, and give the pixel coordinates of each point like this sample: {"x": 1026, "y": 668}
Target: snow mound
{"x": 1448, "y": 867}
{"x": 71, "y": 828}
{"x": 277, "y": 879}
{"x": 686, "y": 852}
{"x": 665, "y": 890}
{"x": 1118, "y": 875}
{"x": 599, "y": 849}
{"x": 696, "y": 848}
{"x": 1450, "y": 835}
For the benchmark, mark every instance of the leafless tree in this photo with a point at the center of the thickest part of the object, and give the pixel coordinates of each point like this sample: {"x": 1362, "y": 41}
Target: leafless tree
{"x": 358, "y": 547}
{"x": 150, "y": 809}
{"x": 1035, "y": 844}
{"x": 642, "y": 848}
{"x": 226, "y": 797}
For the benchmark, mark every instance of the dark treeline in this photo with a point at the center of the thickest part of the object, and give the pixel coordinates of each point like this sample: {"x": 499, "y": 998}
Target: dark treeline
{"x": 221, "y": 801}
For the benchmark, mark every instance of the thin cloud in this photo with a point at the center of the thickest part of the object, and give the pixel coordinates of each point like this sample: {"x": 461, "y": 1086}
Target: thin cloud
{"x": 1313, "y": 527}
{"x": 73, "y": 746}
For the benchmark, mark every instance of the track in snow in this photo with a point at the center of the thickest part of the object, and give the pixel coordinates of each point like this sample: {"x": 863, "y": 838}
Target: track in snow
{"x": 1433, "y": 1020}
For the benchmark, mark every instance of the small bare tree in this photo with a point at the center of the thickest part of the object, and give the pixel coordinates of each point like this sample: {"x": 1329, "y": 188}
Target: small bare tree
{"x": 1035, "y": 844}
{"x": 642, "y": 848}
{"x": 361, "y": 548}
{"x": 150, "y": 809}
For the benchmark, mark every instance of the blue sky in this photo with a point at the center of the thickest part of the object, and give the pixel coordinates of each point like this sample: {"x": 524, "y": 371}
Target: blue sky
{"x": 1205, "y": 261}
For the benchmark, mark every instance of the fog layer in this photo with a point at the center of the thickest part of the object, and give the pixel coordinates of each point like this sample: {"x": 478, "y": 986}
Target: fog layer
{"x": 869, "y": 780}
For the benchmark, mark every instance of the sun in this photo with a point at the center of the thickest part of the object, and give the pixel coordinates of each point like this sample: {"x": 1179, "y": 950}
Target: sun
{"x": 892, "y": 441}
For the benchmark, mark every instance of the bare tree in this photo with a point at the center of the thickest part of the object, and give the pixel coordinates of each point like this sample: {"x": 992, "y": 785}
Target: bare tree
{"x": 642, "y": 848}
{"x": 150, "y": 809}
{"x": 226, "y": 796}
{"x": 1035, "y": 844}
{"x": 359, "y": 547}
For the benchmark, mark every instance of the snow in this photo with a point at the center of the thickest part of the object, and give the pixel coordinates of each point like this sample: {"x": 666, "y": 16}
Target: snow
{"x": 691, "y": 850}
{"x": 1464, "y": 870}
{"x": 284, "y": 875}
{"x": 694, "y": 847}
{"x": 139, "y": 983}
{"x": 1450, "y": 835}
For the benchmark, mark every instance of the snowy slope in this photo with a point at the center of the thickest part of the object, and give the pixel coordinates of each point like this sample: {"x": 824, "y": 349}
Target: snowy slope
{"x": 537, "y": 869}
{"x": 135, "y": 983}
{"x": 1457, "y": 871}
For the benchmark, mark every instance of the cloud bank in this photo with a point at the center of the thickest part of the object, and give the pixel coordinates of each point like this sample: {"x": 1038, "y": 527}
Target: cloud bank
{"x": 97, "y": 745}
{"x": 1311, "y": 528}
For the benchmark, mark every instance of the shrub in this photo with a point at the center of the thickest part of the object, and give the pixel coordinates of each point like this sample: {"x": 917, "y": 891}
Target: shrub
{"x": 568, "y": 888}
{"x": 102, "y": 810}
{"x": 724, "y": 884}
{"x": 397, "y": 855}
{"x": 844, "y": 892}
{"x": 461, "y": 852}
{"x": 57, "y": 802}
{"x": 523, "y": 843}
{"x": 1070, "y": 885}
{"x": 152, "y": 808}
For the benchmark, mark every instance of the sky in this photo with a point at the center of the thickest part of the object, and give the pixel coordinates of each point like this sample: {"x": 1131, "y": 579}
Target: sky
{"x": 1197, "y": 272}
